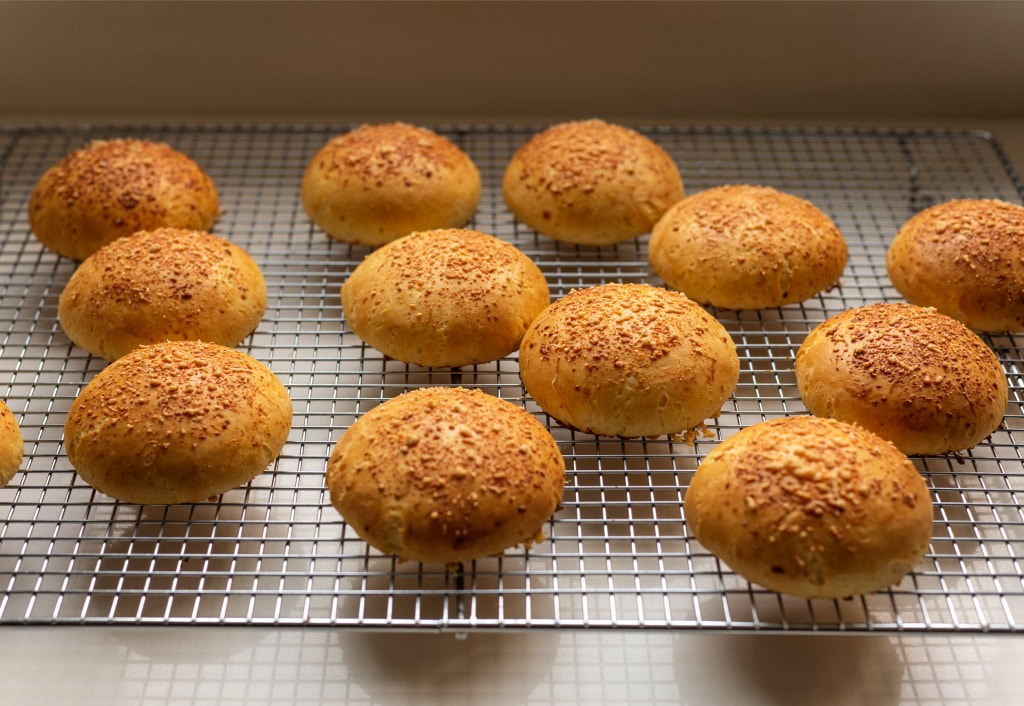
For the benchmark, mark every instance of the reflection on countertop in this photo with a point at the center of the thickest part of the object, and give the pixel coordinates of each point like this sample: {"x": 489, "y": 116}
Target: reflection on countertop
{"x": 250, "y": 665}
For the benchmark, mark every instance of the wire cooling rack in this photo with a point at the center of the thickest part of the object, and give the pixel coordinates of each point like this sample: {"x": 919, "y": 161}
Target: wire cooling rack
{"x": 619, "y": 555}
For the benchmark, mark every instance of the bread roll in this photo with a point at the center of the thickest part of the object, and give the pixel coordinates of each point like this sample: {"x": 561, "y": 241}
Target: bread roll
{"x": 177, "y": 422}
{"x": 966, "y": 259}
{"x": 112, "y": 188}
{"x": 446, "y": 475}
{"x": 911, "y": 375}
{"x": 380, "y": 182}
{"x": 628, "y": 360}
{"x": 591, "y": 183}
{"x": 747, "y": 247}
{"x": 162, "y": 285}
{"x": 446, "y": 297}
{"x": 12, "y": 445}
{"x": 811, "y": 507}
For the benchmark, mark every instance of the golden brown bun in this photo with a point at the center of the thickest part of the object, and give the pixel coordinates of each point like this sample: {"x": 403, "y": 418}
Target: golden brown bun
{"x": 966, "y": 259}
{"x": 446, "y": 475}
{"x": 591, "y": 182}
{"x": 747, "y": 247}
{"x": 12, "y": 445}
{"x": 811, "y": 507}
{"x": 162, "y": 285}
{"x": 112, "y": 188}
{"x": 444, "y": 298}
{"x": 380, "y": 182}
{"x": 177, "y": 422}
{"x": 913, "y": 376}
{"x": 628, "y": 360}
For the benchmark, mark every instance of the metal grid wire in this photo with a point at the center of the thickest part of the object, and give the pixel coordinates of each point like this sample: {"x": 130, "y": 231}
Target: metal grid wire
{"x": 619, "y": 555}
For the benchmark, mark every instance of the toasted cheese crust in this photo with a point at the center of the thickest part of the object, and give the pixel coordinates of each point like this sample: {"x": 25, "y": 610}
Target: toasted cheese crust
{"x": 449, "y": 297}
{"x": 112, "y": 188}
{"x": 628, "y": 360}
{"x": 446, "y": 475}
{"x": 747, "y": 247}
{"x": 377, "y": 183}
{"x": 177, "y": 422}
{"x": 913, "y": 376}
{"x": 966, "y": 259}
{"x": 811, "y": 507}
{"x": 163, "y": 285}
{"x": 591, "y": 182}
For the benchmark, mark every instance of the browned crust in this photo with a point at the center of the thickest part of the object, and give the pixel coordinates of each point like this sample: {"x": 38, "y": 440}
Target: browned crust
{"x": 446, "y": 475}
{"x": 910, "y": 374}
{"x": 447, "y": 297}
{"x": 966, "y": 259}
{"x": 12, "y": 445}
{"x": 161, "y": 285}
{"x": 177, "y": 422}
{"x": 811, "y": 507}
{"x": 380, "y": 182}
{"x": 747, "y": 247}
{"x": 591, "y": 182}
{"x": 628, "y": 360}
{"x": 113, "y": 188}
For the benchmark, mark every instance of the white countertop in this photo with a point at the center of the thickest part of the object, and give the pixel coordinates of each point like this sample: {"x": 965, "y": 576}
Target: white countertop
{"x": 171, "y": 666}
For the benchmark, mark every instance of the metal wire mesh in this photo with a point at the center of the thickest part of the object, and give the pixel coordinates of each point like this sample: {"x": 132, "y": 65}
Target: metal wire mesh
{"x": 619, "y": 555}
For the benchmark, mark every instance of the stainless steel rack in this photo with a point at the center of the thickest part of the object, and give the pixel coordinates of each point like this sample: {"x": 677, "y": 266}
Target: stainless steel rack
{"x": 619, "y": 554}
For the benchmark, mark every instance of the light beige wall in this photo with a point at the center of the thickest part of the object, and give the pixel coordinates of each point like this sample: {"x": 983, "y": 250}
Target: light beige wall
{"x": 512, "y": 60}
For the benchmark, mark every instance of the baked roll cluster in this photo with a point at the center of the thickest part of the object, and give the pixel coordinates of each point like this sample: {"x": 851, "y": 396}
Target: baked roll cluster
{"x": 179, "y": 415}
{"x": 826, "y": 504}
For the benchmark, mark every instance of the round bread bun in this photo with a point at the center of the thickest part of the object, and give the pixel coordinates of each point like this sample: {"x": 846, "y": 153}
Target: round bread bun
{"x": 591, "y": 183}
{"x": 913, "y": 376}
{"x": 747, "y": 247}
{"x": 966, "y": 259}
{"x": 12, "y": 445}
{"x": 162, "y": 285}
{"x": 177, "y": 422}
{"x": 628, "y": 360}
{"x": 446, "y": 475}
{"x": 811, "y": 507}
{"x": 445, "y": 297}
{"x": 112, "y": 188}
{"x": 380, "y": 182}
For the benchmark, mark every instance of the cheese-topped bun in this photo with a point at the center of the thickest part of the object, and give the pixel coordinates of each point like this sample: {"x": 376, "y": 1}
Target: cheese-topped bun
{"x": 591, "y": 183}
{"x": 12, "y": 445}
{"x": 628, "y": 360}
{"x": 811, "y": 507}
{"x": 379, "y": 182}
{"x": 913, "y": 376}
{"x": 446, "y": 297}
{"x": 177, "y": 422}
{"x": 112, "y": 188}
{"x": 747, "y": 247}
{"x": 446, "y": 475}
{"x": 163, "y": 285}
{"x": 966, "y": 259}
